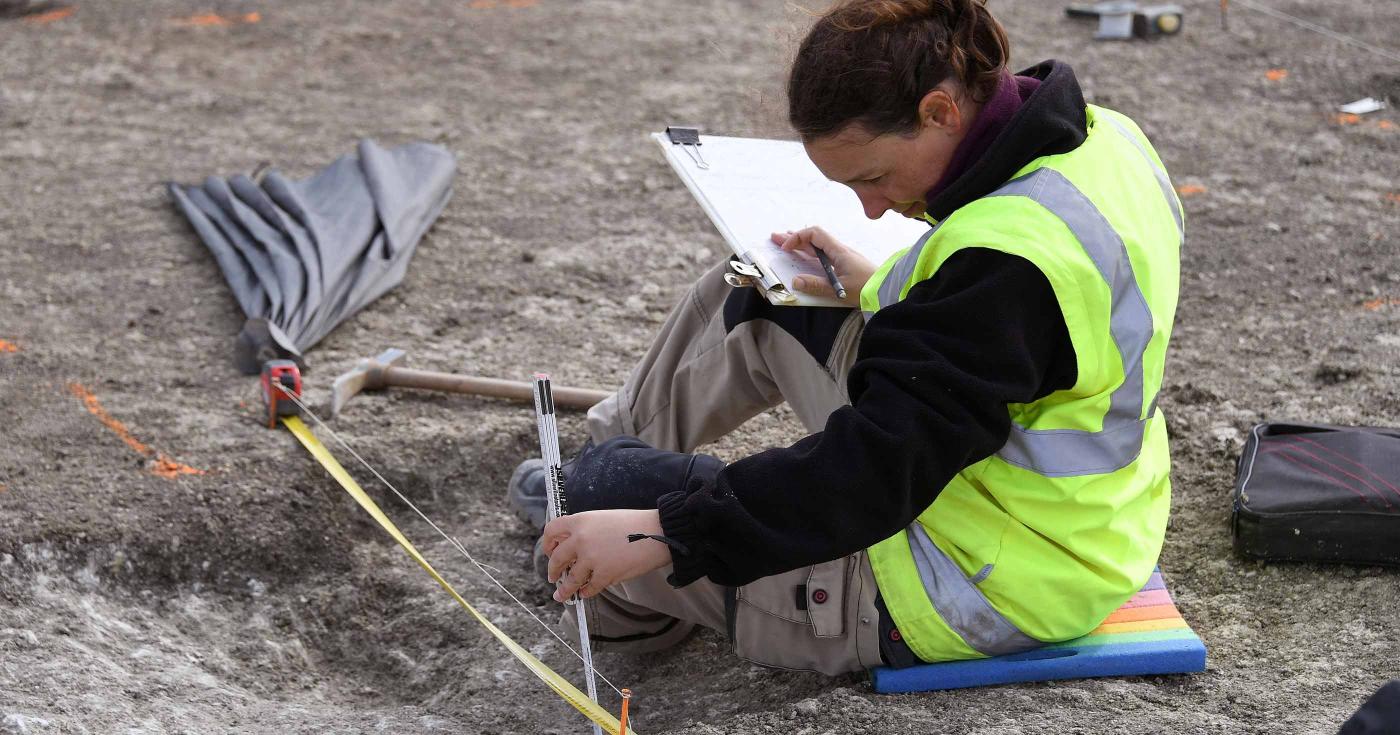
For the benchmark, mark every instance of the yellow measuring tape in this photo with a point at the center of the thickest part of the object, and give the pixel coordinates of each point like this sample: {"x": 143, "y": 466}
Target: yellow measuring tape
{"x": 561, "y": 686}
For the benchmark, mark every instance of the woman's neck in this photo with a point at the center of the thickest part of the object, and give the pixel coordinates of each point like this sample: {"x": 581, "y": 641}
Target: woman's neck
{"x": 989, "y": 119}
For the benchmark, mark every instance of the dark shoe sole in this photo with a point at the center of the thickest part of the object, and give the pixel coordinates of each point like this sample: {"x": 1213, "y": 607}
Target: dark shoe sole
{"x": 535, "y": 515}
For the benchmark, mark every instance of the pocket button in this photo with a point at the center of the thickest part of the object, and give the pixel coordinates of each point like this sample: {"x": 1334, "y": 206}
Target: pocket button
{"x": 819, "y": 596}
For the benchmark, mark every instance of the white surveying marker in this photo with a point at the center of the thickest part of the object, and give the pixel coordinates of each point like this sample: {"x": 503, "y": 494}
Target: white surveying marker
{"x": 558, "y": 506}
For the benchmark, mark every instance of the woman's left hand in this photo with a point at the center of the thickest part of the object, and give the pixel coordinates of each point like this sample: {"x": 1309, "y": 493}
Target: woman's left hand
{"x": 851, "y": 267}
{"x": 589, "y": 551}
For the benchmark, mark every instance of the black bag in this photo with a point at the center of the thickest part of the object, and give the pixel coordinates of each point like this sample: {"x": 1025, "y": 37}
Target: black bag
{"x": 1379, "y": 715}
{"x": 1313, "y": 492}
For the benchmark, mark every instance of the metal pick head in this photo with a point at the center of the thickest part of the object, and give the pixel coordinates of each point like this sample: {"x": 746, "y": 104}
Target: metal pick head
{"x": 367, "y": 375}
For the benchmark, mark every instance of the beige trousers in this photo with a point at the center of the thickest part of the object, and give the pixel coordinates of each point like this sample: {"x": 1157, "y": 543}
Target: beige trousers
{"x": 697, "y": 382}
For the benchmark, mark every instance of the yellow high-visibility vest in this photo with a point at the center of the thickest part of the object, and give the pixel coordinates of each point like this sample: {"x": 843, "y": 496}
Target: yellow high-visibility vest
{"x": 1041, "y": 541}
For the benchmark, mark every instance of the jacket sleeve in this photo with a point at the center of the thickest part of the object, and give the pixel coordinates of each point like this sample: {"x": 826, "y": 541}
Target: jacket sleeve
{"x": 929, "y": 389}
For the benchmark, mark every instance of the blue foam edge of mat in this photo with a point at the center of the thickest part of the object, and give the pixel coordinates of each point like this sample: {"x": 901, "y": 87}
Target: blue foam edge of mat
{"x": 1178, "y": 656}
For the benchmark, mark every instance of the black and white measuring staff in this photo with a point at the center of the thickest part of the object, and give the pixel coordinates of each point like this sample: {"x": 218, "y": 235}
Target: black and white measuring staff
{"x": 558, "y": 506}
{"x": 586, "y": 657}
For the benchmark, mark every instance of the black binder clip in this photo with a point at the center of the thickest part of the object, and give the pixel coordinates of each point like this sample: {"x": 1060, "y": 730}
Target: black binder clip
{"x": 689, "y": 141}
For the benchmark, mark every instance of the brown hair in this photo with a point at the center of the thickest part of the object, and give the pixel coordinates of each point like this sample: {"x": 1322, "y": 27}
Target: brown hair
{"x": 871, "y": 61}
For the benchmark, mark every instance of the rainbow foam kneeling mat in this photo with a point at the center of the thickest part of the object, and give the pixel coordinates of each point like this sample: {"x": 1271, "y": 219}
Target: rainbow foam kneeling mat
{"x": 1146, "y": 636}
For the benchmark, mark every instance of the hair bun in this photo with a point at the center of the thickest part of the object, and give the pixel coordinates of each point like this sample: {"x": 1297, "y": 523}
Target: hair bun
{"x": 873, "y": 60}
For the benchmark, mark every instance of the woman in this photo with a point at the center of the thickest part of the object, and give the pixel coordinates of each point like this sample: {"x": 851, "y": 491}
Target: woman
{"x": 987, "y": 469}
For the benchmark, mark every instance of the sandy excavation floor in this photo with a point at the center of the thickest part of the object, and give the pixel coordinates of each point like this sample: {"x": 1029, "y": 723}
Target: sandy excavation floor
{"x": 255, "y": 598}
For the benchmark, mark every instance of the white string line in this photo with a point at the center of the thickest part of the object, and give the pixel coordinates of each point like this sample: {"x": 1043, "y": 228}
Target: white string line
{"x": 450, "y": 539}
{"x": 1279, "y": 14}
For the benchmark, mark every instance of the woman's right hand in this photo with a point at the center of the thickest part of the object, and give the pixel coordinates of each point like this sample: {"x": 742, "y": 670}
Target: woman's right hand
{"x": 852, "y": 268}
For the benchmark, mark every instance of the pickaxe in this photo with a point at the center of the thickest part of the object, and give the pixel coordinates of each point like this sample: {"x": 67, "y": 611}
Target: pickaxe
{"x": 386, "y": 371}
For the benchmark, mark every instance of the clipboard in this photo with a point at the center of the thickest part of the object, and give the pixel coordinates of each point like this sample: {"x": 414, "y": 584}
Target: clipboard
{"x": 753, "y": 187}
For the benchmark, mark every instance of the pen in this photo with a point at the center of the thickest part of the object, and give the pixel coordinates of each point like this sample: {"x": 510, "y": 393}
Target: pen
{"x": 831, "y": 274}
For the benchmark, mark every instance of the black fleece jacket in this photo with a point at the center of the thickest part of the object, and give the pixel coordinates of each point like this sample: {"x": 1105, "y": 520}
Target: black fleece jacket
{"x": 929, "y": 392}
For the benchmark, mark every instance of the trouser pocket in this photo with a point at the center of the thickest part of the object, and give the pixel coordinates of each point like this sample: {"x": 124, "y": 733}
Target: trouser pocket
{"x": 802, "y": 619}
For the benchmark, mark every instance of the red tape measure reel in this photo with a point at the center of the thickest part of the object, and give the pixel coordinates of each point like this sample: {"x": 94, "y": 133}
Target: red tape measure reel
{"x": 286, "y": 374}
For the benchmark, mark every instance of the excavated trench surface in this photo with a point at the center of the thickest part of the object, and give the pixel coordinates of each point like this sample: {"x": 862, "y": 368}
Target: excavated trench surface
{"x": 256, "y": 597}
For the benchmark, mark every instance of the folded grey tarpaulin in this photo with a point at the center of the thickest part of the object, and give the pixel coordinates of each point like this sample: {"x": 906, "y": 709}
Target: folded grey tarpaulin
{"x": 301, "y": 256}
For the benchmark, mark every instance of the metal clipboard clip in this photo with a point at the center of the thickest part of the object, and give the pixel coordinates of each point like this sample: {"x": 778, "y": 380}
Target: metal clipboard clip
{"x": 748, "y": 275}
{"x": 689, "y": 141}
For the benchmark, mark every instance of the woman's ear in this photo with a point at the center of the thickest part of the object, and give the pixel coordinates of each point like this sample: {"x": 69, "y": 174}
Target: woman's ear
{"x": 939, "y": 110}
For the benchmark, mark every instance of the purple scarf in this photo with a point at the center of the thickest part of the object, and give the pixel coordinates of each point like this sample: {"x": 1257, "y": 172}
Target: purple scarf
{"x": 994, "y": 116}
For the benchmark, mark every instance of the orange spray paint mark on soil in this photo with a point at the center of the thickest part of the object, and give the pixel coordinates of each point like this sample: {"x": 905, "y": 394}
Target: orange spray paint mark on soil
{"x": 205, "y": 20}
{"x": 163, "y": 466}
{"x": 1378, "y": 304}
{"x": 1276, "y": 75}
{"x": 1393, "y": 198}
{"x": 49, "y": 17}
{"x": 170, "y": 469}
{"x": 8, "y": 346}
{"x": 1190, "y": 190}
{"x": 1347, "y": 118}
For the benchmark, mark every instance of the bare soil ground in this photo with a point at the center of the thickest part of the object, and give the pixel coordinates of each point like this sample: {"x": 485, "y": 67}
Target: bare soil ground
{"x": 256, "y": 598}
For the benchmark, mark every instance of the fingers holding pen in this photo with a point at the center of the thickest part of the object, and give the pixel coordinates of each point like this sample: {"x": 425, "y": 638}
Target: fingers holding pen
{"x": 785, "y": 240}
{"x": 847, "y": 270}
{"x": 798, "y": 241}
{"x": 808, "y": 240}
{"x": 815, "y": 286}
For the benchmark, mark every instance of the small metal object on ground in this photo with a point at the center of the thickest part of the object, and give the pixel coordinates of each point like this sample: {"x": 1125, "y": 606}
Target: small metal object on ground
{"x": 1363, "y": 106}
{"x": 1121, "y": 20}
{"x": 1157, "y": 20}
{"x": 1115, "y": 21}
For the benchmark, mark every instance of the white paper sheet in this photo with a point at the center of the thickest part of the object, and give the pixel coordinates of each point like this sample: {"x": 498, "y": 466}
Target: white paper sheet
{"x": 755, "y": 187}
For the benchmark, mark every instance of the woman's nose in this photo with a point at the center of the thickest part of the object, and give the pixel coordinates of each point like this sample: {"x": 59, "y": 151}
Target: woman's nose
{"x": 874, "y": 205}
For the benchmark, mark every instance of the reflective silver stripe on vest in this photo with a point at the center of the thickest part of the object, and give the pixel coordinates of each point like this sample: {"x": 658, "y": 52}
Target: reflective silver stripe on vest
{"x": 1159, "y": 172}
{"x": 1168, "y": 192}
{"x": 901, "y": 272}
{"x": 961, "y": 605}
{"x": 1072, "y": 452}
